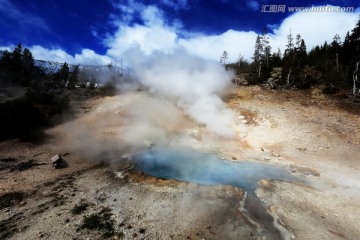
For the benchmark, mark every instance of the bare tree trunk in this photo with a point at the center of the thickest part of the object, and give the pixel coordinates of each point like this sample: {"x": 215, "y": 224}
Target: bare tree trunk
{"x": 288, "y": 78}
{"x": 259, "y": 73}
{"x": 337, "y": 62}
{"x": 355, "y": 79}
{"x": 271, "y": 84}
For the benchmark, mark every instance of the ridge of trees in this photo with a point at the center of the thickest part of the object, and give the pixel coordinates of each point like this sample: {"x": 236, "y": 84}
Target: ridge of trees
{"x": 337, "y": 62}
{"x": 18, "y": 66}
{"x": 46, "y": 93}
{"x": 27, "y": 116}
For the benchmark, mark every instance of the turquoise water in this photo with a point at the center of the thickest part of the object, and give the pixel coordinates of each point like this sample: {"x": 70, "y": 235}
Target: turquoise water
{"x": 208, "y": 169}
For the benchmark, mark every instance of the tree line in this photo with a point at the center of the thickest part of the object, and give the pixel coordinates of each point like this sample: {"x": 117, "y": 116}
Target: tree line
{"x": 337, "y": 61}
{"x": 18, "y": 68}
{"x": 46, "y": 93}
{"x": 26, "y": 117}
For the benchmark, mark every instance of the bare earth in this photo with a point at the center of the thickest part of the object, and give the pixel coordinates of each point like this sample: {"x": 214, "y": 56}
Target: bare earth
{"x": 304, "y": 132}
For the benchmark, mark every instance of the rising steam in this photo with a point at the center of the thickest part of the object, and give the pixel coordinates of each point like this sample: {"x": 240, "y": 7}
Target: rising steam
{"x": 180, "y": 94}
{"x": 191, "y": 83}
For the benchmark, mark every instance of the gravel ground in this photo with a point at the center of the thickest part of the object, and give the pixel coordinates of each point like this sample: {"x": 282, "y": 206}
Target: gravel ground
{"x": 92, "y": 198}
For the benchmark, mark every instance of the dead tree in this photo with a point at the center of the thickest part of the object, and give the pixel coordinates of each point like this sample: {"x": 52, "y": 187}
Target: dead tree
{"x": 259, "y": 70}
{"x": 288, "y": 84}
{"x": 356, "y": 91}
{"x": 224, "y": 57}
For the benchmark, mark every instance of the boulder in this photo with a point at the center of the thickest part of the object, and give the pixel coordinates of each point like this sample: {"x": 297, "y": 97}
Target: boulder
{"x": 57, "y": 161}
{"x": 240, "y": 80}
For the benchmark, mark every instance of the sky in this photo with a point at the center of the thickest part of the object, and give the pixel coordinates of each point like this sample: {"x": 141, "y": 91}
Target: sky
{"x": 101, "y": 32}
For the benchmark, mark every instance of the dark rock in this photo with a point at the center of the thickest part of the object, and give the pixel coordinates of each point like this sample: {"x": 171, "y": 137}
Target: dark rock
{"x": 58, "y": 162}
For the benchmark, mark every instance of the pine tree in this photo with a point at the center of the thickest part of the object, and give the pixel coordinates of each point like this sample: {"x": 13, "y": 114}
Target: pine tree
{"x": 298, "y": 41}
{"x": 18, "y": 65}
{"x": 302, "y": 53}
{"x": 289, "y": 53}
{"x": 355, "y": 38}
{"x": 28, "y": 67}
{"x": 266, "y": 47}
{"x": 224, "y": 57}
{"x": 289, "y": 58}
{"x": 17, "y": 55}
{"x": 258, "y": 53}
{"x": 345, "y": 51}
{"x": 5, "y": 60}
{"x": 74, "y": 78}
{"x": 28, "y": 58}
{"x": 355, "y": 47}
{"x": 62, "y": 76}
{"x": 298, "y": 50}
{"x": 276, "y": 59}
{"x": 290, "y": 44}
{"x": 334, "y": 46}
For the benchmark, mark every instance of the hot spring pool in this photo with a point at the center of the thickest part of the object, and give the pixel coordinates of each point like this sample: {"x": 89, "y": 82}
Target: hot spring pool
{"x": 208, "y": 169}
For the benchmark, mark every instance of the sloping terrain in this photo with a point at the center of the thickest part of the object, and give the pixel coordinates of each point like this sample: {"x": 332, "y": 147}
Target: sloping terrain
{"x": 98, "y": 195}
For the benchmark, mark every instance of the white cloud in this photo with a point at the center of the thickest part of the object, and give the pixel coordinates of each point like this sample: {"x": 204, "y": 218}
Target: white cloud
{"x": 152, "y": 16}
{"x": 128, "y": 11}
{"x": 212, "y": 47}
{"x": 86, "y": 56}
{"x": 155, "y": 35}
{"x": 314, "y": 27}
{"x": 9, "y": 48}
{"x": 56, "y": 55}
{"x": 148, "y": 38}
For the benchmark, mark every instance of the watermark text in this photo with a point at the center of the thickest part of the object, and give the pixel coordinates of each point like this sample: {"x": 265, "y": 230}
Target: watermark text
{"x": 284, "y": 8}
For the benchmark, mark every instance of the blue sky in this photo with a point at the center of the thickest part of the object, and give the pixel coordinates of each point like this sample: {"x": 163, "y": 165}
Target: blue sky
{"x": 97, "y": 32}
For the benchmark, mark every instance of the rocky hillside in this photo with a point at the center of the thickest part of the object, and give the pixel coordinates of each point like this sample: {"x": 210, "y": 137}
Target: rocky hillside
{"x": 51, "y": 67}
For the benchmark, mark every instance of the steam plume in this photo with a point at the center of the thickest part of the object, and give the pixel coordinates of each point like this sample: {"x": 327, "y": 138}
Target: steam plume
{"x": 193, "y": 84}
{"x": 183, "y": 93}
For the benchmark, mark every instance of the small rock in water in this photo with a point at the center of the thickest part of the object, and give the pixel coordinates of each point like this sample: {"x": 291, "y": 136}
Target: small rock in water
{"x": 196, "y": 134}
